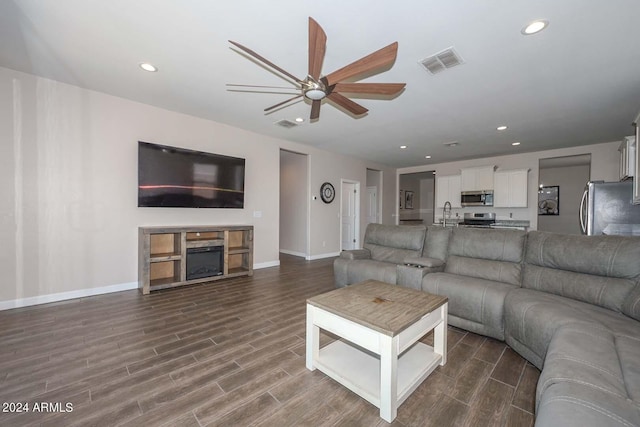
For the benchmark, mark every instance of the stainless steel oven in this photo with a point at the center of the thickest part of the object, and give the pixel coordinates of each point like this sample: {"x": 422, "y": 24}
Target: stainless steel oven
{"x": 476, "y": 198}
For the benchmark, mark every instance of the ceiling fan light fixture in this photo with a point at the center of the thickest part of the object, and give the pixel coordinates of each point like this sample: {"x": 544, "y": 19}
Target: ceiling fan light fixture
{"x": 315, "y": 94}
{"x": 535, "y": 27}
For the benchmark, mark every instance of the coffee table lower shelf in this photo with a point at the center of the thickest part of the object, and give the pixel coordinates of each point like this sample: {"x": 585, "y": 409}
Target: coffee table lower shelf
{"x": 359, "y": 370}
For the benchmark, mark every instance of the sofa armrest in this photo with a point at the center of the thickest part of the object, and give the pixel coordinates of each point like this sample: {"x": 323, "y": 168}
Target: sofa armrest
{"x": 424, "y": 262}
{"x": 356, "y": 254}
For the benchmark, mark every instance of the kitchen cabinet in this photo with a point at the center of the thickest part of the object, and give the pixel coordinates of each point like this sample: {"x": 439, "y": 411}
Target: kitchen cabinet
{"x": 448, "y": 189}
{"x": 477, "y": 178}
{"x": 511, "y": 188}
{"x": 627, "y": 151}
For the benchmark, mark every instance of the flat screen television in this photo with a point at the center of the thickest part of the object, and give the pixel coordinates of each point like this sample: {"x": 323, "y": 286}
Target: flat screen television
{"x": 180, "y": 178}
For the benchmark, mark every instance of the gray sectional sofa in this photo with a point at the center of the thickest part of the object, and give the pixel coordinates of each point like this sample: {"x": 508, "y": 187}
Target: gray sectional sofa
{"x": 568, "y": 304}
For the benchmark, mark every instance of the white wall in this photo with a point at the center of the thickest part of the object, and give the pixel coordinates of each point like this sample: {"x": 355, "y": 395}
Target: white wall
{"x": 571, "y": 180}
{"x": 604, "y": 166}
{"x": 293, "y": 203}
{"x": 68, "y": 185}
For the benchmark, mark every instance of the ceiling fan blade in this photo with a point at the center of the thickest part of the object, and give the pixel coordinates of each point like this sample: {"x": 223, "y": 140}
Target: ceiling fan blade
{"x": 347, "y": 104}
{"x": 317, "y": 47}
{"x": 315, "y": 109}
{"x": 265, "y": 61}
{"x": 371, "y": 88}
{"x": 282, "y": 103}
{"x": 268, "y": 87}
{"x": 385, "y": 56}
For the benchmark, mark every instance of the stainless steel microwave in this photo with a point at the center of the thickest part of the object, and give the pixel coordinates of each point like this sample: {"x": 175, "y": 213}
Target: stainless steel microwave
{"x": 476, "y": 198}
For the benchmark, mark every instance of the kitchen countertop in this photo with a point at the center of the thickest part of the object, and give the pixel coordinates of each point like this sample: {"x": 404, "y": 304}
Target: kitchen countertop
{"x": 512, "y": 223}
{"x": 500, "y": 223}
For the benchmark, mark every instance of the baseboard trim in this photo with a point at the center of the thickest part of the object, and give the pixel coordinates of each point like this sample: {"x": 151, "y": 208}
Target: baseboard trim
{"x": 267, "y": 264}
{"x": 63, "y": 296}
{"x": 294, "y": 253}
{"x": 81, "y": 293}
{"x": 321, "y": 256}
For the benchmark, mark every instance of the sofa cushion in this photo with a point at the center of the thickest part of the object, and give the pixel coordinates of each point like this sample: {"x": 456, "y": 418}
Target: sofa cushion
{"x": 477, "y": 300}
{"x": 487, "y": 254}
{"x": 365, "y": 269}
{"x": 629, "y": 357}
{"x": 631, "y": 304}
{"x": 496, "y": 245}
{"x": 498, "y": 271}
{"x": 600, "y": 270}
{"x": 590, "y": 377}
{"x": 436, "y": 242}
{"x": 583, "y": 355}
{"x": 574, "y": 405}
{"x": 394, "y": 243}
{"x": 531, "y": 319}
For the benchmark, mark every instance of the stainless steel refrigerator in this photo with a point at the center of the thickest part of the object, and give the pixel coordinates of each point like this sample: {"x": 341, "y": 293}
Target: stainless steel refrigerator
{"x": 606, "y": 208}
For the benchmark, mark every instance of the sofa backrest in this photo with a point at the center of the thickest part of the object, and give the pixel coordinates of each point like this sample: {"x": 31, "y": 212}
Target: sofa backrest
{"x": 487, "y": 254}
{"x": 436, "y": 242}
{"x": 600, "y": 270}
{"x": 393, "y": 243}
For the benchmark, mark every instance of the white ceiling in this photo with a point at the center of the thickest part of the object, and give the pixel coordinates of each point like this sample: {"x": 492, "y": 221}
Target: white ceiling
{"x": 575, "y": 83}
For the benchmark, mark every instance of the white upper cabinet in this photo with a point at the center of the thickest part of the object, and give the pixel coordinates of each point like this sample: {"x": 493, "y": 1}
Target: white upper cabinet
{"x": 448, "y": 189}
{"x": 511, "y": 188}
{"x": 477, "y": 179}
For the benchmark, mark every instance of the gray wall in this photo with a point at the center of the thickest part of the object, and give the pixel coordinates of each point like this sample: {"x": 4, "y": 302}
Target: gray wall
{"x": 571, "y": 180}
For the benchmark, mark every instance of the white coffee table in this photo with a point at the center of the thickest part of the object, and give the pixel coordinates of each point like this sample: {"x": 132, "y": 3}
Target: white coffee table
{"x": 378, "y": 356}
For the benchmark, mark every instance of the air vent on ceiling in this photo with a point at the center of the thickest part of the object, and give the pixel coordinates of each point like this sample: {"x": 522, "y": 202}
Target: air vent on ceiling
{"x": 441, "y": 61}
{"x": 286, "y": 123}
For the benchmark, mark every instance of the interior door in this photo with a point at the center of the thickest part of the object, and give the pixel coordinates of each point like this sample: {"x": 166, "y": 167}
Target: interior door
{"x": 348, "y": 215}
{"x": 372, "y": 205}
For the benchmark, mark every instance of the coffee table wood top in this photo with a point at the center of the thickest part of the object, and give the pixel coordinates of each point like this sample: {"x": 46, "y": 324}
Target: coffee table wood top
{"x": 385, "y": 308}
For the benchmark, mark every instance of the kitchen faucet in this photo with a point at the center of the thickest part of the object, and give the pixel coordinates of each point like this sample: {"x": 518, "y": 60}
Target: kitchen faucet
{"x": 446, "y": 212}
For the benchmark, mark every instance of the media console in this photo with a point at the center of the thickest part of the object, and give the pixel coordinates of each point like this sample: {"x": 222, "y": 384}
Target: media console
{"x": 175, "y": 256}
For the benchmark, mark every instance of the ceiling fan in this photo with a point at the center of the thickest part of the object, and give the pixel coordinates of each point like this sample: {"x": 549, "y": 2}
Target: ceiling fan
{"x": 331, "y": 86}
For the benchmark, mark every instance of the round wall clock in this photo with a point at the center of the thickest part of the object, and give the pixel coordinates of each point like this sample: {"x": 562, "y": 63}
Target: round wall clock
{"x": 327, "y": 192}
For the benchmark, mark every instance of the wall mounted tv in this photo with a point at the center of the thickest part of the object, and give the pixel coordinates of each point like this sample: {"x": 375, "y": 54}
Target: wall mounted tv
{"x": 180, "y": 178}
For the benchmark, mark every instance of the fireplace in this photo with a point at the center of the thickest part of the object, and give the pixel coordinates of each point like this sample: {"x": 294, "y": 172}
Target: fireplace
{"x": 205, "y": 262}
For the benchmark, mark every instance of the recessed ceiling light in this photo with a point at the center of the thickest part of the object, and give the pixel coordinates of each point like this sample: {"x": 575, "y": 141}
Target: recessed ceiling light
{"x": 427, "y": 157}
{"x": 503, "y": 127}
{"x": 403, "y": 146}
{"x": 535, "y": 27}
{"x": 515, "y": 143}
{"x": 299, "y": 120}
{"x": 148, "y": 67}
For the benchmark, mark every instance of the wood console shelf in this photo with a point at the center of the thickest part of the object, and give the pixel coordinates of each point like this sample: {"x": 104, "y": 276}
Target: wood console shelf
{"x": 162, "y": 253}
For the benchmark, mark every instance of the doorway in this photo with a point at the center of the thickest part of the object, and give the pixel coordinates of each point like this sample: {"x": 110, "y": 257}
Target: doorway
{"x": 294, "y": 206}
{"x": 349, "y": 214}
{"x": 567, "y": 177}
{"x": 416, "y": 198}
{"x": 373, "y": 198}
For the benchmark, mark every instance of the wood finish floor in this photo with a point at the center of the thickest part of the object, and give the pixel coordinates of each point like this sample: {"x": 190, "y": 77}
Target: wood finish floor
{"x": 229, "y": 354}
